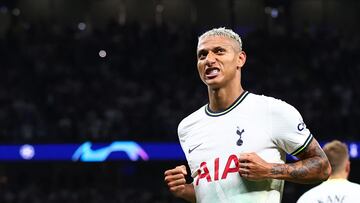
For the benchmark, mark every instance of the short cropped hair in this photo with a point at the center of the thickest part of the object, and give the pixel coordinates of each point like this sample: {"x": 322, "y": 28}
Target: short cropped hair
{"x": 222, "y": 31}
{"x": 337, "y": 153}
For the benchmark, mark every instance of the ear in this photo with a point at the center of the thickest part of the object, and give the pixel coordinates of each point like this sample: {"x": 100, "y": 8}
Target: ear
{"x": 241, "y": 59}
{"x": 347, "y": 166}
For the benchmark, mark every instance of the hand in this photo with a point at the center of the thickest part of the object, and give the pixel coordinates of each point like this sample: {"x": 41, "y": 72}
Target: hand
{"x": 252, "y": 167}
{"x": 175, "y": 180}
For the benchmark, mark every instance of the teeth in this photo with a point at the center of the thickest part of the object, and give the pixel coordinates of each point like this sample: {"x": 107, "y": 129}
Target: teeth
{"x": 212, "y": 71}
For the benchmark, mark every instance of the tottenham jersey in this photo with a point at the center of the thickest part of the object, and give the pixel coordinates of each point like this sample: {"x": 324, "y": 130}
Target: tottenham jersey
{"x": 213, "y": 141}
{"x": 333, "y": 191}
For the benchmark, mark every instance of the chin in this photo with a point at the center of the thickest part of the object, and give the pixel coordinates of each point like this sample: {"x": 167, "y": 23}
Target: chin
{"x": 213, "y": 85}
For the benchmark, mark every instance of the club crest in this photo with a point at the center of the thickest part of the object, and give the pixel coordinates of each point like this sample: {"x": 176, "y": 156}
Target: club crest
{"x": 239, "y": 132}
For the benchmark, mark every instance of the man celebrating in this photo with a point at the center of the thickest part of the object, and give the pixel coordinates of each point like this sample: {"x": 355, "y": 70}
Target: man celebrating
{"x": 236, "y": 145}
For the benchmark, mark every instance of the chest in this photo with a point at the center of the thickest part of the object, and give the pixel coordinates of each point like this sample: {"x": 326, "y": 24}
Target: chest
{"x": 215, "y": 140}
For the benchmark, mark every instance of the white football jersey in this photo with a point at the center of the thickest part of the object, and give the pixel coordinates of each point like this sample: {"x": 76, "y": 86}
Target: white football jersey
{"x": 213, "y": 141}
{"x": 332, "y": 191}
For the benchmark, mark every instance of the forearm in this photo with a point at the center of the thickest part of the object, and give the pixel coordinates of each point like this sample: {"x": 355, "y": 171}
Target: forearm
{"x": 310, "y": 170}
{"x": 312, "y": 167}
{"x": 189, "y": 193}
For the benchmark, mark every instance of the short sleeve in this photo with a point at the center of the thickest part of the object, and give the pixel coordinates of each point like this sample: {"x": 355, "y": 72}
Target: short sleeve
{"x": 288, "y": 129}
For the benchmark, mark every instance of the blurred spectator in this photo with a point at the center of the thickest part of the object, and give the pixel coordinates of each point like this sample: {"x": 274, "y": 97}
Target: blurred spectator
{"x": 65, "y": 84}
{"x": 337, "y": 188}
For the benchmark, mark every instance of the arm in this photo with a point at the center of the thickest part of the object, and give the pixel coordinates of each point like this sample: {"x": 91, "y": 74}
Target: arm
{"x": 312, "y": 166}
{"x": 175, "y": 180}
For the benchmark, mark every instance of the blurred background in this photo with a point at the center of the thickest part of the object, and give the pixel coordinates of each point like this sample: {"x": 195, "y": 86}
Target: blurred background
{"x": 116, "y": 70}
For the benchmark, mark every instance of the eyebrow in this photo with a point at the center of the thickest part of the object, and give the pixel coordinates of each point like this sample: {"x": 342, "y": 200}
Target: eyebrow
{"x": 213, "y": 48}
{"x": 201, "y": 51}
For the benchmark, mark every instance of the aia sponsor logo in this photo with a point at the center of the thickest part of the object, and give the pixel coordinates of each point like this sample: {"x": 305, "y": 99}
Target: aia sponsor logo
{"x": 232, "y": 166}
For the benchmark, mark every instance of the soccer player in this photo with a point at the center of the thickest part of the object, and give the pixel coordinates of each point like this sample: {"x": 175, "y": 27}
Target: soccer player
{"x": 236, "y": 145}
{"x": 337, "y": 188}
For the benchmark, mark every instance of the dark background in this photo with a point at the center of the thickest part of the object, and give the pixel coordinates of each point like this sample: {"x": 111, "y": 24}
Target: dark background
{"x": 55, "y": 87}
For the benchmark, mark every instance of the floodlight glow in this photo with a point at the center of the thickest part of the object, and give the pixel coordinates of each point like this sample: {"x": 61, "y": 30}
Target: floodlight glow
{"x": 81, "y": 26}
{"x": 27, "y": 152}
{"x": 16, "y": 12}
{"x": 274, "y": 12}
{"x": 102, "y": 53}
{"x": 353, "y": 150}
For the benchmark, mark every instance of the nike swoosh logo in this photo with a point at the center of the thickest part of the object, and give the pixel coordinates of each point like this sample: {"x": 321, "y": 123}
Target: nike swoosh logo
{"x": 192, "y": 149}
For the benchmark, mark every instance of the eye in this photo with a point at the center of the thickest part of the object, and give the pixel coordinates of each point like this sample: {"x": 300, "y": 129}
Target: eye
{"x": 202, "y": 55}
{"x": 219, "y": 50}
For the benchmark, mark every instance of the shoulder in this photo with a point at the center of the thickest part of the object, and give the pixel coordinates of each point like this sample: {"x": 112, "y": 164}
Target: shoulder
{"x": 189, "y": 122}
{"x": 275, "y": 106}
{"x": 258, "y": 98}
{"x": 354, "y": 185}
{"x": 328, "y": 188}
{"x": 268, "y": 100}
{"x": 279, "y": 107}
{"x": 282, "y": 111}
{"x": 311, "y": 195}
{"x": 257, "y": 101}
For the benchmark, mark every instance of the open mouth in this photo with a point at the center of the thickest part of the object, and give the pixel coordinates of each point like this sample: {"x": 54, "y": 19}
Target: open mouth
{"x": 212, "y": 72}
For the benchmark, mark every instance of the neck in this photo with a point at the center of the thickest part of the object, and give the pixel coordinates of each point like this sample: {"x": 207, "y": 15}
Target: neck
{"x": 221, "y": 98}
{"x": 339, "y": 175}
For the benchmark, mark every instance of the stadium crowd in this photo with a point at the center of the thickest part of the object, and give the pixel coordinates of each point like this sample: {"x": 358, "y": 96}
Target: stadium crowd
{"x": 135, "y": 82}
{"x": 55, "y": 87}
{"x": 83, "y": 183}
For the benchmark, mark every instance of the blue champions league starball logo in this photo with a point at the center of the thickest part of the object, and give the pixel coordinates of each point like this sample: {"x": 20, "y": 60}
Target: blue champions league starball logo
{"x": 85, "y": 152}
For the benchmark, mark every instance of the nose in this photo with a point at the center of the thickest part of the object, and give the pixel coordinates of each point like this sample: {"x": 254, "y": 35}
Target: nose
{"x": 210, "y": 58}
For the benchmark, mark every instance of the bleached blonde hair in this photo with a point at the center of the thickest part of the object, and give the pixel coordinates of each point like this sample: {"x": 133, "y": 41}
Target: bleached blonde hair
{"x": 222, "y": 31}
